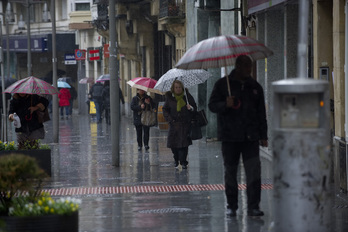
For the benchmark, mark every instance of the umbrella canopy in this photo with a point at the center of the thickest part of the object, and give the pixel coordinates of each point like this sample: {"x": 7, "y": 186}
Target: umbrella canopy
{"x": 104, "y": 77}
{"x": 63, "y": 84}
{"x": 144, "y": 83}
{"x": 32, "y": 85}
{"x": 188, "y": 77}
{"x": 86, "y": 80}
{"x": 222, "y": 51}
{"x": 65, "y": 79}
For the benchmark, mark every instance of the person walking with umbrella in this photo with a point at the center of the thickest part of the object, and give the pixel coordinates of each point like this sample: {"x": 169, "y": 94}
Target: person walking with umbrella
{"x": 64, "y": 102}
{"x": 139, "y": 103}
{"x": 178, "y": 110}
{"x": 242, "y": 127}
{"x": 25, "y": 106}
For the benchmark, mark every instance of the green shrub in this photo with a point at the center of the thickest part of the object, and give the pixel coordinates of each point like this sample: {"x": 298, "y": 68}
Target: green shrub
{"x": 18, "y": 174}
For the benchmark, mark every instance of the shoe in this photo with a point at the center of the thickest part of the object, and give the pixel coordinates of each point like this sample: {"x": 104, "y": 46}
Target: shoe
{"x": 184, "y": 166}
{"x": 255, "y": 213}
{"x": 147, "y": 147}
{"x": 231, "y": 212}
{"x": 139, "y": 148}
{"x": 67, "y": 117}
{"x": 176, "y": 164}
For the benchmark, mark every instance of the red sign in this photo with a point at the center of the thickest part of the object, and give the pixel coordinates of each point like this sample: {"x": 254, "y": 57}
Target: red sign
{"x": 80, "y": 54}
{"x": 106, "y": 51}
{"x": 94, "y": 54}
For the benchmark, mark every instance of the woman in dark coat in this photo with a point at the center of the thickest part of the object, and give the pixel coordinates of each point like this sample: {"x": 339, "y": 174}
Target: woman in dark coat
{"x": 25, "y": 106}
{"x": 178, "y": 112}
{"x": 139, "y": 103}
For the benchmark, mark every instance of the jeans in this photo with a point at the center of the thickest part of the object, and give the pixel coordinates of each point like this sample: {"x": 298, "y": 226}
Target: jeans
{"x": 98, "y": 108}
{"x": 140, "y": 130}
{"x": 66, "y": 110}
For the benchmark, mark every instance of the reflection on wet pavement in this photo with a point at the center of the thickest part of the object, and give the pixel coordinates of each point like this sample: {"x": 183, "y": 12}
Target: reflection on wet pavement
{"x": 81, "y": 165}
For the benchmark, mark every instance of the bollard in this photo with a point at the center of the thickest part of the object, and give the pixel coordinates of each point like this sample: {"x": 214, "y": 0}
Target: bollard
{"x": 301, "y": 161}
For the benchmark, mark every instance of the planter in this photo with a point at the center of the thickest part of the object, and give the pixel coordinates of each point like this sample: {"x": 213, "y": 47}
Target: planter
{"x": 43, "y": 157}
{"x": 47, "y": 223}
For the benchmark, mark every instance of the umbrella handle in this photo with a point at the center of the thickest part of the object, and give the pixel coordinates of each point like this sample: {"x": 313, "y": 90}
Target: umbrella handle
{"x": 228, "y": 82}
{"x": 186, "y": 96}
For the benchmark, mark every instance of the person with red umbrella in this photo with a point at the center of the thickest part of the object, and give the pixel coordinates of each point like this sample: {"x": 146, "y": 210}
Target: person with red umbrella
{"x": 242, "y": 127}
{"x": 139, "y": 103}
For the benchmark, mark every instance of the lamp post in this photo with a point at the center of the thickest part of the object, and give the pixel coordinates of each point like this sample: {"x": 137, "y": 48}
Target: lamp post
{"x": 4, "y": 128}
{"x": 28, "y": 40}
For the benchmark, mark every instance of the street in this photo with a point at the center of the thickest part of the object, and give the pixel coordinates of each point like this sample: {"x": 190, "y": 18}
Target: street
{"x": 146, "y": 193}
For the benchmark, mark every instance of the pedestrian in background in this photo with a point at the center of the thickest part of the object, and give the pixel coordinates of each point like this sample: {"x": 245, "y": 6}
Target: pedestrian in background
{"x": 96, "y": 94}
{"x": 242, "y": 127}
{"x": 31, "y": 130}
{"x": 139, "y": 103}
{"x": 64, "y": 102}
{"x": 73, "y": 94}
{"x": 178, "y": 109}
{"x": 106, "y": 100}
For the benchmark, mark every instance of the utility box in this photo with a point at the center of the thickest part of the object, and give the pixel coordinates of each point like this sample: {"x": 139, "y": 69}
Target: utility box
{"x": 301, "y": 155}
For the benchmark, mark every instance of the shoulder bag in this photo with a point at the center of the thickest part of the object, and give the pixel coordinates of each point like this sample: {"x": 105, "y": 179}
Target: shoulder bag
{"x": 43, "y": 116}
{"x": 201, "y": 118}
{"x": 149, "y": 117}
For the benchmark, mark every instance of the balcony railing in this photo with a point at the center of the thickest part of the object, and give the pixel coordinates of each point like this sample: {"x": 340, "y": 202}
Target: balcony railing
{"x": 172, "y": 8}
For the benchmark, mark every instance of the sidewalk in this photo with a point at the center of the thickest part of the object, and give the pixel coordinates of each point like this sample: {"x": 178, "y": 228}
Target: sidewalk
{"x": 146, "y": 193}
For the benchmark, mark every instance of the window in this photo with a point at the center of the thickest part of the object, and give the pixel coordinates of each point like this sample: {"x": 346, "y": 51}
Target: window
{"x": 82, "y": 7}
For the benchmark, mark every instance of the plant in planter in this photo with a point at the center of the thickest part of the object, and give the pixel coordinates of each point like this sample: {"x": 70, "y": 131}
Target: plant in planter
{"x": 42, "y": 152}
{"x": 23, "y": 207}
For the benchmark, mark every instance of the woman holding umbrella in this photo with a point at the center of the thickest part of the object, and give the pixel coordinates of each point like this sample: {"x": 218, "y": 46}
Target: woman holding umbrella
{"x": 25, "y": 106}
{"x": 178, "y": 110}
{"x": 139, "y": 103}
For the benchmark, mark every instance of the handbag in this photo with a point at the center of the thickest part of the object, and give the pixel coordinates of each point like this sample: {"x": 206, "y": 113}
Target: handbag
{"x": 43, "y": 116}
{"x": 149, "y": 117}
{"x": 195, "y": 130}
{"x": 201, "y": 118}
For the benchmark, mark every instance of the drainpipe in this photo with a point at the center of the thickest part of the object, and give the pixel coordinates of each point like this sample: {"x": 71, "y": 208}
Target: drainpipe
{"x": 346, "y": 77}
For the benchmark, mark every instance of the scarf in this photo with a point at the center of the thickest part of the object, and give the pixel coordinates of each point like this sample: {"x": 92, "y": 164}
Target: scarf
{"x": 179, "y": 101}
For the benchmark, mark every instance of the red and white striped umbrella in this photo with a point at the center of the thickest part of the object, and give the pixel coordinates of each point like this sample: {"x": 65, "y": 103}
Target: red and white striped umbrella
{"x": 222, "y": 51}
{"x": 32, "y": 85}
{"x": 144, "y": 83}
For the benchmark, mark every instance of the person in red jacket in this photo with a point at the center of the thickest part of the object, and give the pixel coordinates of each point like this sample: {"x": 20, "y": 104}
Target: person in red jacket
{"x": 64, "y": 102}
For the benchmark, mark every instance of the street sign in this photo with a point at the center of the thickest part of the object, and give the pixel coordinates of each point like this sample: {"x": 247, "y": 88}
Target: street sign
{"x": 94, "y": 54}
{"x": 106, "y": 51}
{"x": 80, "y": 54}
{"x": 69, "y": 59}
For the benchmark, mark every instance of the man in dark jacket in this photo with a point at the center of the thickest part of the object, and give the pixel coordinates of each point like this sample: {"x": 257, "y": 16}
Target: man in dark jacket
{"x": 242, "y": 126}
{"x": 96, "y": 95}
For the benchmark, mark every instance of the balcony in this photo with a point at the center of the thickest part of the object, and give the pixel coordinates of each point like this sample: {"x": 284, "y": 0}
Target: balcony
{"x": 172, "y": 9}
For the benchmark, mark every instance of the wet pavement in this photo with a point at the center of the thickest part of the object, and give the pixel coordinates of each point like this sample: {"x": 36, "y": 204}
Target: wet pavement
{"x": 146, "y": 193}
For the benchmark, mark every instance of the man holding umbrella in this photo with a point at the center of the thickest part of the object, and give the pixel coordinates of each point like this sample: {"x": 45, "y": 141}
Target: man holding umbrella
{"x": 242, "y": 127}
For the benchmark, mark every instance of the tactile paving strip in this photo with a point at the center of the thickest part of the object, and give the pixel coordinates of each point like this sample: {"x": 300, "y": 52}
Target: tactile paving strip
{"x": 143, "y": 189}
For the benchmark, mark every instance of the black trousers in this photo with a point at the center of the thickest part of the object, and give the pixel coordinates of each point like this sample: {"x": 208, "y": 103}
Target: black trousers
{"x": 231, "y": 152}
{"x": 180, "y": 154}
{"x": 140, "y": 129}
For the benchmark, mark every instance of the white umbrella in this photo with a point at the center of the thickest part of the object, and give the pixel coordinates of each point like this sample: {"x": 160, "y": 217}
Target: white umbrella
{"x": 189, "y": 78}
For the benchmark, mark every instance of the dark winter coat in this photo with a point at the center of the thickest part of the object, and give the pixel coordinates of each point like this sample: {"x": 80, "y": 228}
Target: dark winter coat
{"x": 179, "y": 122}
{"x": 96, "y": 92}
{"x": 246, "y": 121}
{"x": 136, "y": 107}
{"x": 106, "y": 96}
{"x": 20, "y": 106}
